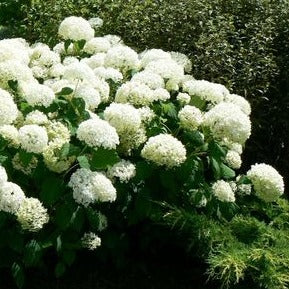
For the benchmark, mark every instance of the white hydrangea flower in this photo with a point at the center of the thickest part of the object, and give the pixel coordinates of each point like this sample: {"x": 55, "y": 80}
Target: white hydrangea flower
{"x": 33, "y": 138}
{"x": 154, "y": 55}
{"x": 36, "y": 117}
{"x": 164, "y": 149}
{"x": 89, "y": 94}
{"x": 42, "y": 56}
{"x": 183, "y": 98}
{"x": 190, "y": 117}
{"x": 182, "y": 60}
{"x": 98, "y": 133}
{"x": 90, "y": 241}
{"x": 90, "y": 187}
{"x": 3, "y": 176}
{"x": 267, "y": 182}
{"x": 172, "y": 85}
{"x": 161, "y": 94}
{"x": 122, "y": 57}
{"x": 146, "y": 114}
{"x": 232, "y": 145}
{"x": 108, "y": 73}
{"x": 123, "y": 117}
{"x": 96, "y": 45}
{"x": 96, "y": 60}
{"x": 70, "y": 60}
{"x": 57, "y": 133}
{"x": 56, "y": 70}
{"x": 11, "y": 196}
{"x": 103, "y": 87}
{"x": 152, "y": 80}
{"x": 95, "y": 22}
{"x": 244, "y": 189}
{"x": 16, "y": 71}
{"x": 123, "y": 170}
{"x": 31, "y": 215}
{"x": 53, "y": 159}
{"x": 167, "y": 69}
{"x": 132, "y": 140}
{"x": 239, "y": 101}
{"x": 14, "y": 49}
{"x": 135, "y": 93}
{"x": 58, "y": 85}
{"x": 226, "y": 120}
{"x": 79, "y": 71}
{"x": 208, "y": 91}
{"x": 75, "y": 28}
{"x": 37, "y": 94}
{"x": 114, "y": 40}
{"x": 8, "y": 109}
{"x": 233, "y": 159}
{"x": 223, "y": 191}
{"x": 26, "y": 169}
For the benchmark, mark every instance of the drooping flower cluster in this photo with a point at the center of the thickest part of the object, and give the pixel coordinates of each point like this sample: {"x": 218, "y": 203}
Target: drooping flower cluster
{"x": 267, "y": 182}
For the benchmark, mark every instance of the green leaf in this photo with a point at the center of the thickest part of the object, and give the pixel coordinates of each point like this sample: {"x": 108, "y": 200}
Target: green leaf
{"x": 18, "y": 274}
{"x": 227, "y": 172}
{"x": 65, "y": 91}
{"x": 216, "y": 151}
{"x": 68, "y": 257}
{"x": 15, "y": 239}
{"x": 93, "y": 218}
{"x": 170, "y": 110}
{"x": 103, "y": 158}
{"x": 143, "y": 170}
{"x": 25, "y": 157}
{"x": 64, "y": 151}
{"x": 32, "y": 253}
{"x": 83, "y": 162}
{"x": 216, "y": 168}
{"x": 63, "y": 215}
{"x": 51, "y": 190}
{"x": 66, "y": 44}
{"x": 60, "y": 269}
{"x": 13, "y": 84}
{"x": 81, "y": 43}
{"x": 3, "y": 159}
{"x": 77, "y": 219}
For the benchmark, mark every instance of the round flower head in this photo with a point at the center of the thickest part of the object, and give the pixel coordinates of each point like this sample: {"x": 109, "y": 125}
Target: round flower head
{"x": 182, "y": 60}
{"x": 223, "y": 191}
{"x": 167, "y": 69}
{"x": 208, "y": 91}
{"x": 8, "y": 109}
{"x": 79, "y": 71}
{"x": 152, "y": 80}
{"x": 267, "y": 182}
{"x": 121, "y": 57}
{"x": 161, "y": 94}
{"x": 16, "y": 71}
{"x": 37, "y": 94}
{"x": 233, "y": 159}
{"x": 190, "y": 117}
{"x": 123, "y": 117}
{"x": 90, "y": 95}
{"x": 3, "y": 176}
{"x": 96, "y": 60}
{"x": 164, "y": 150}
{"x": 95, "y": 22}
{"x": 90, "y": 241}
{"x": 96, "y": 45}
{"x": 239, "y": 101}
{"x": 33, "y": 138}
{"x": 153, "y": 55}
{"x": 10, "y": 134}
{"x": 32, "y": 215}
{"x": 75, "y": 28}
{"x": 183, "y": 98}
{"x": 57, "y": 133}
{"x": 98, "y": 133}
{"x": 135, "y": 93}
{"x": 123, "y": 170}
{"x": 108, "y": 73}
{"x": 226, "y": 120}
{"x": 11, "y": 196}
{"x": 36, "y": 117}
{"x": 146, "y": 114}
{"x": 90, "y": 187}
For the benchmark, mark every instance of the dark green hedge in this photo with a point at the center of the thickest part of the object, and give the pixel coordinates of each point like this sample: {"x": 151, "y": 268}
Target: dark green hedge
{"x": 243, "y": 44}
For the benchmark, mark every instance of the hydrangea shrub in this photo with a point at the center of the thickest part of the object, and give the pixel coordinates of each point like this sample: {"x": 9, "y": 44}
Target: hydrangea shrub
{"x": 94, "y": 133}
